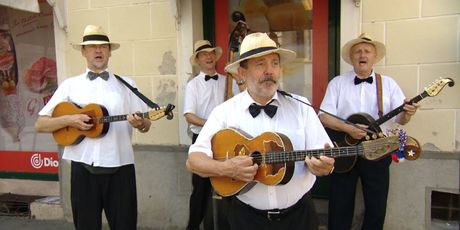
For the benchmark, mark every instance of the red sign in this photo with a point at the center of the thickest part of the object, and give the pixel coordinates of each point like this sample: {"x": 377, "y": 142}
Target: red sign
{"x": 33, "y": 162}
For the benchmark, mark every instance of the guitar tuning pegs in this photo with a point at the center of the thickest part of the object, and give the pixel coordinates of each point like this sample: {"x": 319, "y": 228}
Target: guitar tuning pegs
{"x": 367, "y": 137}
{"x": 374, "y": 136}
{"x": 380, "y": 135}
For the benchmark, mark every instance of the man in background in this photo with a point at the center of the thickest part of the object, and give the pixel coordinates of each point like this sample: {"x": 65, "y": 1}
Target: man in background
{"x": 202, "y": 94}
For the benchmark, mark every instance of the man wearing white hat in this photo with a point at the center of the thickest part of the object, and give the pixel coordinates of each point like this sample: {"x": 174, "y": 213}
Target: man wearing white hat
{"x": 202, "y": 94}
{"x": 288, "y": 204}
{"x": 361, "y": 91}
{"x": 102, "y": 168}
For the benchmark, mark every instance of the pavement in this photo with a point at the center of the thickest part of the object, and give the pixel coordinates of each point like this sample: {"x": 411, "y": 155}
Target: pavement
{"x": 46, "y": 214}
{"x": 27, "y": 223}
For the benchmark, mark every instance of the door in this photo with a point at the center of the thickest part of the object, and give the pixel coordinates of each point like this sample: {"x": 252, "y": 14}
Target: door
{"x": 309, "y": 27}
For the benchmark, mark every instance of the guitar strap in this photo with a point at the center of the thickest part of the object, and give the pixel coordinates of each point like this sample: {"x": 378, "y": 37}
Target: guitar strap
{"x": 378, "y": 84}
{"x": 147, "y": 101}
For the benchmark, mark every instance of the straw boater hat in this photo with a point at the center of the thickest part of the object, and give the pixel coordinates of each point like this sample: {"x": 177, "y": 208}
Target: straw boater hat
{"x": 204, "y": 45}
{"x": 363, "y": 38}
{"x": 257, "y": 45}
{"x": 94, "y": 35}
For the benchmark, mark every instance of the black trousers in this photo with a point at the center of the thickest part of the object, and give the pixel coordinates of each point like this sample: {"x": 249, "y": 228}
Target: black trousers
{"x": 200, "y": 199}
{"x": 375, "y": 179}
{"x": 300, "y": 216}
{"x": 114, "y": 193}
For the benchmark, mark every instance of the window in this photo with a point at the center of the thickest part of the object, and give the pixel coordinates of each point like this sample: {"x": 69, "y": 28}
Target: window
{"x": 444, "y": 210}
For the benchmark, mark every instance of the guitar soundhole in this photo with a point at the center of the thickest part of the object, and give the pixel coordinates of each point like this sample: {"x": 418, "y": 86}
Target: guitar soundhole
{"x": 257, "y": 158}
{"x": 93, "y": 116}
{"x": 350, "y": 141}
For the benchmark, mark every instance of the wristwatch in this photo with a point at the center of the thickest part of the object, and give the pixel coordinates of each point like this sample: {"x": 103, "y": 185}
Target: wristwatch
{"x": 240, "y": 82}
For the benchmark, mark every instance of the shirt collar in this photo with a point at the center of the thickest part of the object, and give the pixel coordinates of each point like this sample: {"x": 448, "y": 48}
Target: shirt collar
{"x": 88, "y": 70}
{"x": 202, "y": 74}
{"x": 247, "y": 99}
{"x": 371, "y": 75}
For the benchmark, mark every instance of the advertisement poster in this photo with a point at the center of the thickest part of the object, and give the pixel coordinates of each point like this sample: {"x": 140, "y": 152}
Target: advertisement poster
{"x": 27, "y": 80}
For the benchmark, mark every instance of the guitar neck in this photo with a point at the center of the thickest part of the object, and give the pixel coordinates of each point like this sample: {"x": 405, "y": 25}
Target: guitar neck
{"x": 398, "y": 110}
{"x": 107, "y": 119}
{"x": 283, "y": 157}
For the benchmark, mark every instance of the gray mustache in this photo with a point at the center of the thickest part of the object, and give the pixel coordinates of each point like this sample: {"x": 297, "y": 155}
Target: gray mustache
{"x": 267, "y": 78}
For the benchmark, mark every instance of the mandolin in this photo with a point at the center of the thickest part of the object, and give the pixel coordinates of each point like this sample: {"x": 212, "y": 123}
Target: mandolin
{"x": 99, "y": 117}
{"x": 275, "y": 157}
{"x": 343, "y": 139}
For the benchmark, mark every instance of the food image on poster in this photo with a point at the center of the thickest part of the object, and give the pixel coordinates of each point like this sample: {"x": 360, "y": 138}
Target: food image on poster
{"x": 8, "y": 65}
{"x": 41, "y": 77}
{"x": 11, "y": 117}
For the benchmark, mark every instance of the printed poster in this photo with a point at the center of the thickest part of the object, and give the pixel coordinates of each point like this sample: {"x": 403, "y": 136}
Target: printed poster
{"x": 28, "y": 78}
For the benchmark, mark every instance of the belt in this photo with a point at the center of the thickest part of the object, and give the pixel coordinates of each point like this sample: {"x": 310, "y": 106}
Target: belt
{"x": 99, "y": 170}
{"x": 274, "y": 214}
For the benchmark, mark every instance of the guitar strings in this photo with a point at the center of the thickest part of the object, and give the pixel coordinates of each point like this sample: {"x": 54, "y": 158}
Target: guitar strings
{"x": 274, "y": 157}
{"x": 105, "y": 119}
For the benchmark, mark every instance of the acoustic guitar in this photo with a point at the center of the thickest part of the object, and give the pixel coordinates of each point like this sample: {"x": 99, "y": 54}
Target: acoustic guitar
{"x": 276, "y": 159}
{"x": 345, "y": 164}
{"x": 99, "y": 118}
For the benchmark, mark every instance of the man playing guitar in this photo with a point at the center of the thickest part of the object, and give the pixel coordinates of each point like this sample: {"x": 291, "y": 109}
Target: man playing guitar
{"x": 259, "y": 109}
{"x": 102, "y": 169}
{"x": 361, "y": 91}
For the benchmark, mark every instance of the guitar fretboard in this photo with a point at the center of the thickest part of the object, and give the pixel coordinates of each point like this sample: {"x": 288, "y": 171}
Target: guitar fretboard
{"x": 107, "y": 119}
{"x": 398, "y": 110}
{"x": 282, "y": 157}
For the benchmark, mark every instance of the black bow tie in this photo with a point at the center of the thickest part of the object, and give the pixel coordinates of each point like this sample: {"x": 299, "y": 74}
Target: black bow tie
{"x": 270, "y": 110}
{"x": 207, "y": 77}
{"x": 92, "y": 75}
{"x": 359, "y": 80}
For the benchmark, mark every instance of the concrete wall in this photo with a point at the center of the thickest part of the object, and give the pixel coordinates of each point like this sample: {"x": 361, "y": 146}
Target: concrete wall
{"x": 147, "y": 32}
{"x": 411, "y": 184}
{"x": 422, "y": 38}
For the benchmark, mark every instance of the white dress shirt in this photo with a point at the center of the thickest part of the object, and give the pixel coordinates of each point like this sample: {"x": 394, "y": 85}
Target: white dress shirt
{"x": 297, "y": 121}
{"x": 202, "y": 96}
{"x": 115, "y": 148}
{"x": 343, "y": 98}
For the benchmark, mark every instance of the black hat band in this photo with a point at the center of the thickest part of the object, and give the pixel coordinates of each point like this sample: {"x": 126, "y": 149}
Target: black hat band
{"x": 95, "y": 37}
{"x": 203, "y": 47}
{"x": 257, "y": 50}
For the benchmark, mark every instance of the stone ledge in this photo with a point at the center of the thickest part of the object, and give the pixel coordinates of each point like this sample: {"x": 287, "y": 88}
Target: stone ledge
{"x": 441, "y": 155}
{"x": 48, "y": 208}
